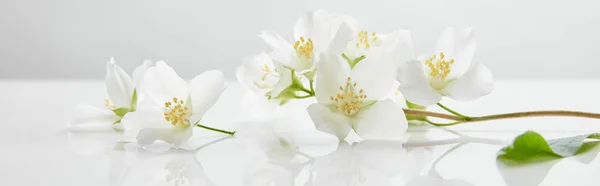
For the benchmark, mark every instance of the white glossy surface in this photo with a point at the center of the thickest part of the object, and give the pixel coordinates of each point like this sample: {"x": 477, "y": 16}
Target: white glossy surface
{"x": 38, "y": 150}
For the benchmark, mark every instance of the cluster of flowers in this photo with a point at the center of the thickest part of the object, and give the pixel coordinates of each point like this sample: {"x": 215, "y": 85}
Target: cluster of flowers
{"x": 356, "y": 74}
{"x": 353, "y": 74}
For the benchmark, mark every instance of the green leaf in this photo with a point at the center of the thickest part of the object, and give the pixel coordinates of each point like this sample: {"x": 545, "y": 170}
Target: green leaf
{"x": 531, "y": 146}
{"x": 121, "y": 111}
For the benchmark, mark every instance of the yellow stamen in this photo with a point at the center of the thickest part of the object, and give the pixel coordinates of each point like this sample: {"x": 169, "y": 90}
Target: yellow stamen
{"x": 176, "y": 112}
{"x": 364, "y": 39}
{"x": 440, "y": 67}
{"x": 350, "y": 99}
{"x": 304, "y": 48}
{"x": 109, "y": 105}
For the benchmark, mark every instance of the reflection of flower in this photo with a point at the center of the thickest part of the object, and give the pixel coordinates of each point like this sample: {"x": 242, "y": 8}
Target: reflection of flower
{"x": 277, "y": 160}
{"x": 177, "y": 105}
{"x": 434, "y": 178}
{"x": 365, "y": 163}
{"x": 143, "y": 168}
{"x": 448, "y": 72}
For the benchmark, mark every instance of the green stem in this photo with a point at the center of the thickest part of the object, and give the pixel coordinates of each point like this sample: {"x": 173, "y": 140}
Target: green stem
{"x": 307, "y": 91}
{"x": 215, "y": 129}
{"x": 312, "y": 88}
{"x": 452, "y": 111}
{"x": 303, "y": 97}
{"x": 443, "y": 124}
{"x": 459, "y": 119}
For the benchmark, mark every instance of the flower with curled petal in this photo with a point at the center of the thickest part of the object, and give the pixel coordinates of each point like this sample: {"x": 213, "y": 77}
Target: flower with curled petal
{"x": 176, "y": 105}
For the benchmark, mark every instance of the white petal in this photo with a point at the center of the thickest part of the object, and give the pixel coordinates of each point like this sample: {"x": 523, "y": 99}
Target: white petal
{"x": 315, "y": 25}
{"x": 118, "y": 85}
{"x": 415, "y": 86}
{"x": 458, "y": 45}
{"x": 343, "y": 35}
{"x": 404, "y": 50}
{"x": 139, "y": 73}
{"x": 329, "y": 121}
{"x": 86, "y": 116}
{"x": 382, "y": 120}
{"x": 477, "y": 82}
{"x": 205, "y": 90}
{"x": 273, "y": 39}
{"x": 162, "y": 84}
{"x": 175, "y": 136}
{"x": 146, "y": 117}
{"x": 331, "y": 74}
{"x": 338, "y": 20}
{"x": 375, "y": 74}
{"x": 389, "y": 42}
{"x": 285, "y": 80}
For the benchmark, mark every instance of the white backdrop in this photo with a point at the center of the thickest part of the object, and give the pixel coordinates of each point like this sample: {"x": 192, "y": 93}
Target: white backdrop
{"x": 74, "y": 38}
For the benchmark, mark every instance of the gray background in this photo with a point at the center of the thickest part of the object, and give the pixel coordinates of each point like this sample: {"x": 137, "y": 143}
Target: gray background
{"x": 74, "y": 38}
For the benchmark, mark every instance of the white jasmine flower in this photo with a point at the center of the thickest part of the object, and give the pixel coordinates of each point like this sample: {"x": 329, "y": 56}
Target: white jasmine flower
{"x": 350, "y": 99}
{"x": 178, "y": 105}
{"x": 448, "y": 72}
{"x": 122, "y": 98}
{"x": 313, "y": 33}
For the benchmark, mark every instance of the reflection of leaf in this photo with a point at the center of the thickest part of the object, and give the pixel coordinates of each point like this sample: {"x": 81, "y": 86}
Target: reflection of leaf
{"x": 531, "y": 146}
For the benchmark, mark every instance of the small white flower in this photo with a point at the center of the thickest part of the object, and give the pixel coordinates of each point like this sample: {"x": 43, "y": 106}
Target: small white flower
{"x": 351, "y": 99}
{"x": 449, "y": 72}
{"x": 313, "y": 33}
{"x": 176, "y": 107}
{"x": 266, "y": 81}
{"x": 122, "y": 99}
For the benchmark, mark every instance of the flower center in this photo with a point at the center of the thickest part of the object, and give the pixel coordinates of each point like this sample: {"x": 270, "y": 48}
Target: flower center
{"x": 440, "y": 67}
{"x": 349, "y": 100}
{"x": 304, "y": 48}
{"x": 177, "y": 113}
{"x": 365, "y": 39}
{"x": 268, "y": 72}
{"x": 109, "y": 105}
